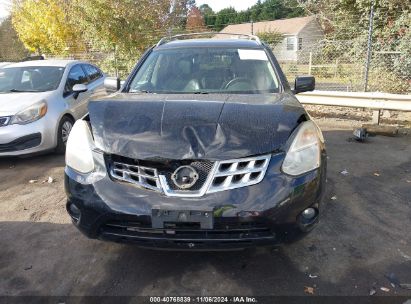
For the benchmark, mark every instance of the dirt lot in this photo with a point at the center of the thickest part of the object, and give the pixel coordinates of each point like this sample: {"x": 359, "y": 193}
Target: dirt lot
{"x": 363, "y": 236}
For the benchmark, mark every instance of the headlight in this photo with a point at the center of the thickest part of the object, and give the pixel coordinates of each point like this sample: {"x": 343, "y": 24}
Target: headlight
{"x": 30, "y": 114}
{"x": 79, "y": 155}
{"x": 304, "y": 153}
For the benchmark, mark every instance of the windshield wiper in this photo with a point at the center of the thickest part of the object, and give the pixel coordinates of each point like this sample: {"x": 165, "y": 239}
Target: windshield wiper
{"x": 200, "y": 92}
{"x": 22, "y": 91}
{"x": 142, "y": 91}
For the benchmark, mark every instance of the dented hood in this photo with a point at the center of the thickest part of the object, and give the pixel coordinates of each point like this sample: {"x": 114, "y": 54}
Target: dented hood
{"x": 214, "y": 127}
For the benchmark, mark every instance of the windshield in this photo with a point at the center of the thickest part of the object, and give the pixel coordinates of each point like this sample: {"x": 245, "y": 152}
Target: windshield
{"x": 206, "y": 70}
{"x": 30, "y": 79}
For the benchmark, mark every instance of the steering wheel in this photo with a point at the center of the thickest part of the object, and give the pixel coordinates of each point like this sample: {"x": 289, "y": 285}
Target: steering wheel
{"x": 238, "y": 80}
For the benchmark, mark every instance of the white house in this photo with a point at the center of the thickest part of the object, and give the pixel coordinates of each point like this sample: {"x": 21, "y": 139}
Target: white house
{"x": 301, "y": 35}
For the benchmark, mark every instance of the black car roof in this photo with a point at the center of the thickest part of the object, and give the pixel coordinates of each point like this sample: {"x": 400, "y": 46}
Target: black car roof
{"x": 226, "y": 43}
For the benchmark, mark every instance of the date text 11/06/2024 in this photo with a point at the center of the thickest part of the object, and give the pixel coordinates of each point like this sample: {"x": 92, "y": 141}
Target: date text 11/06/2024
{"x": 234, "y": 299}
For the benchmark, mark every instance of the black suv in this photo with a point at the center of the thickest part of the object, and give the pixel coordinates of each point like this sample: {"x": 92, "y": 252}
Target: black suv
{"x": 204, "y": 146}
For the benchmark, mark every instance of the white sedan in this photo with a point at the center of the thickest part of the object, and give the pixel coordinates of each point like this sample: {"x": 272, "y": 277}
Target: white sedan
{"x": 3, "y": 64}
{"x": 40, "y": 101}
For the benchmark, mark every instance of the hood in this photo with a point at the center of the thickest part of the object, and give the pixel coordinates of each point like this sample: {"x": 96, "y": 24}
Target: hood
{"x": 11, "y": 103}
{"x": 213, "y": 127}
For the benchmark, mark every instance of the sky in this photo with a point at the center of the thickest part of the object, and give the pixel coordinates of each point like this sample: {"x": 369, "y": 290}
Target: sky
{"x": 4, "y": 8}
{"x": 217, "y": 5}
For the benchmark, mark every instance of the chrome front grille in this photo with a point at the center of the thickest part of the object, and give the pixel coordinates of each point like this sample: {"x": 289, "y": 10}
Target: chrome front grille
{"x": 203, "y": 169}
{"x": 238, "y": 173}
{"x": 214, "y": 177}
{"x": 138, "y": 175}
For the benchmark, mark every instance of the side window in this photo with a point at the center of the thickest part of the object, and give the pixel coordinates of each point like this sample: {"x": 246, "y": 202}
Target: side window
{"x": 290, "y": 43}
{"x": 150, "y": 72}
{"x": 76, "y": 76}
{"x": 92, "y": 72}
{"x": 7, "y": 77}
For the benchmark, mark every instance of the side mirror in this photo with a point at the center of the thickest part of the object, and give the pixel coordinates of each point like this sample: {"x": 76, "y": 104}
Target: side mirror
{"x": 304, "y": 84}
{"x": 77, "y": 89}
{"x": 112, "y": 84}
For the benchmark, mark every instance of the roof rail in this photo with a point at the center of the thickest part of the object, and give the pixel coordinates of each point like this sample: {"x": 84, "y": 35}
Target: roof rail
{"x": 176, "y": 37}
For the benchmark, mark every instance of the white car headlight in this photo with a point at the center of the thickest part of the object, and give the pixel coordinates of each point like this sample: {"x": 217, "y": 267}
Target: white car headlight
{"x": 79, "y": 155}
{"x": 304, "y": 153}
{"x": 30, "y": 114}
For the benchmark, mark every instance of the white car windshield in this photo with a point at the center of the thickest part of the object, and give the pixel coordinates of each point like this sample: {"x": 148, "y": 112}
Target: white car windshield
{"x": 206, "y": 70}
{"x": 30, "y": 79}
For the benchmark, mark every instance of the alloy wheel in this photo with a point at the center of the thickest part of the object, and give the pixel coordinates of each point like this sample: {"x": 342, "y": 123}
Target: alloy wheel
{"x": 65, "y": 131}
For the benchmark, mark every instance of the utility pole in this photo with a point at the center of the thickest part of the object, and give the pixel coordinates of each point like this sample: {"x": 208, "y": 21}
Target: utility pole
{"x": 369, "y": 47}
{"x": 115, "y": 61}
{"x": 252, "y": 27}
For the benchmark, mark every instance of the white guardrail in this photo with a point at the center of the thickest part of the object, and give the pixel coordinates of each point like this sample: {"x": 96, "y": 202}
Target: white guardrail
{"x": 375, "y": 101}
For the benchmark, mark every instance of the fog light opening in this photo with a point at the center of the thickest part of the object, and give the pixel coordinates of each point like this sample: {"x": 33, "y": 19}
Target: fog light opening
{"x": 309, "y": 213}
{"x": 307, "y": 219}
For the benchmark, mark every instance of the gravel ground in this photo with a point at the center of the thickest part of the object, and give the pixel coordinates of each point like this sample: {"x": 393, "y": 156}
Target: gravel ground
{"x": 364, "y": 235}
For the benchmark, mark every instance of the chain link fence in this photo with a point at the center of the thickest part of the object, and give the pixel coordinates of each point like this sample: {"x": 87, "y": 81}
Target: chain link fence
{"x": 341, "y": 65}
{"x": 337, "y": 64}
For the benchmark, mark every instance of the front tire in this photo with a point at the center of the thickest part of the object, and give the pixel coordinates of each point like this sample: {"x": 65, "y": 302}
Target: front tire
{"x": 64, "y": 129}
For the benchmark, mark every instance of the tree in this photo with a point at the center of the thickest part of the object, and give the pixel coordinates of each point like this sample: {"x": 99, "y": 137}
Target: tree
{"x": 224, "y": 17}
{"x": 195, "y": 20}
{"x": 347, "y": 21}
{"x": 122, "y": 29}
{"x": 205, "y": 9}
{"x": 11, "y": 48}
{"x": 256, "y": 11}
{"x": 208, "y": 14}
{"x": 243, "y": 17}
{"x": 348, "y": 18}
{"x": 126, "y": 28}
{"x": 277, "y": 9}
{"x": 262, "y": 11}
{"x": 181, "y": 8}
{"x": 271, "y": 37}
{"x": 44, "y": 27}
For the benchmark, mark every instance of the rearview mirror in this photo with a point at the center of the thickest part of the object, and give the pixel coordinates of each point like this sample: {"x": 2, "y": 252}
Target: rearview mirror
{"x": 304, "y": 84}
{"x": 112, "y": 84}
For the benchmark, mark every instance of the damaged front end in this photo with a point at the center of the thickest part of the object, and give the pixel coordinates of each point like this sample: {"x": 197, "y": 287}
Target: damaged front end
{"x": 194, "y": 172}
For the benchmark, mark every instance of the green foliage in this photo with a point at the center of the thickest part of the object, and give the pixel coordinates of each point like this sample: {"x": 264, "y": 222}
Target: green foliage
{"x": 272, "y": 38}
{"x": 292, "y": 69}
{"x": 195, "y": 20}
{"x": 275, "y": 9}
{"x": 11, "y": 48}
{"x": 121, "y": 28}
{"x": 43, "y": 26}
{"x": 383, "y": 80}
{"x": 205, "y": 9}
{"x": 346, "y": 24}
{"x": 261, "y": 11}
{"x": 224, "y": 17}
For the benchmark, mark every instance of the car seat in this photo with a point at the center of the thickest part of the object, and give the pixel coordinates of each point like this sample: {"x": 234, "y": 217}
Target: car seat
{"x": 182, "y": 78}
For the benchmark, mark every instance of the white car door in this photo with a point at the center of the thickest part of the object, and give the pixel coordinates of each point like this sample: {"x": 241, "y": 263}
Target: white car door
{"x": 96, "y": 81}
{"x": 77, "y": 102}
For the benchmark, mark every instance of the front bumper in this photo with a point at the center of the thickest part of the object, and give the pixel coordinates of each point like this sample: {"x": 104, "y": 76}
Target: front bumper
{"x": 31, "y": 138}
{"x": 262, "y": 214}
